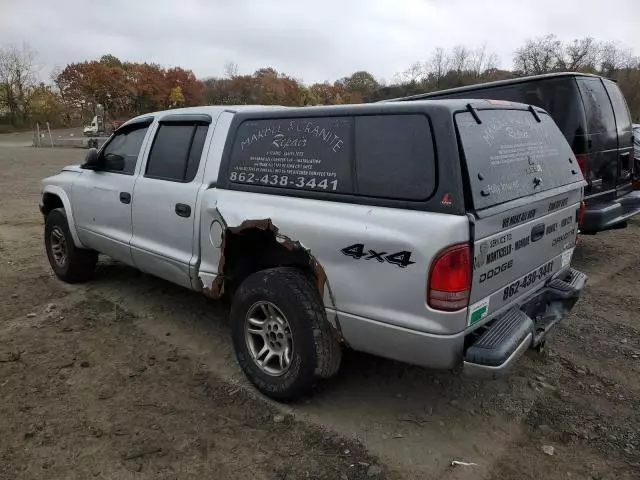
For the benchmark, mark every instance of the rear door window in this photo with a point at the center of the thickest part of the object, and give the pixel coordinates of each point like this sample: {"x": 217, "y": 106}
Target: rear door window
{"x": 176, "y": 151}
{"x": 598, "y": 108}
{"x": 621, "y": 112}
{"x": 511, "y": 155}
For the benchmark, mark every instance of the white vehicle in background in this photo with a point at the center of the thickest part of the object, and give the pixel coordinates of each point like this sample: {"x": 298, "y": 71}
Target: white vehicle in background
{"x": 95, "y": 127}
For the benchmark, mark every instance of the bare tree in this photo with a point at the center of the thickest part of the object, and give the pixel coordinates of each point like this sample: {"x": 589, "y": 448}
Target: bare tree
{"x": 481, "y": 61}
{"x": 17, "y": 75}
{"x": 437, "y": 66}
{"x": 540, "y": 55}
{"x": 580, "y": 54}
{"x": 413, "y": 74}
{"x": 449, "y": 68}
{"x": 460, "y": 61}
{"x": 613, "y": 57}
{"x": 230, "y": 69}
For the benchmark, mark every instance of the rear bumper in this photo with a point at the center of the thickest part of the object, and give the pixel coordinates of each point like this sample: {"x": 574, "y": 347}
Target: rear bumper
{"x": 547, "y": 306}
{"x": 604, "y": 216}
{"x": 505, "y": 339}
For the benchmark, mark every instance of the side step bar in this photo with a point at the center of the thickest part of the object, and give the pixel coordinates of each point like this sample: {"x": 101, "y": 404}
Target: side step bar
{"x": 506, "y": 338}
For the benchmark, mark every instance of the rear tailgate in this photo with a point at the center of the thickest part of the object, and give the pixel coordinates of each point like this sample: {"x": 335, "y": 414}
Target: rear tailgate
{"x": 525, "y": 192}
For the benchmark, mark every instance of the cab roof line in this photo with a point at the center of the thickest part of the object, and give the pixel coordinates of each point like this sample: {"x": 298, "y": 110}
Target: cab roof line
{"x": 187, "y": 118}
{"x": 148, "y": 120}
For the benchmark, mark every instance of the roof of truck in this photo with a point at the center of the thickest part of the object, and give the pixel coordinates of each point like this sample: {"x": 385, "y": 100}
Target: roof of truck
{"x": 319, "y": 110}
{"x": 497, "y": 83}
{"x": 206, "y": 110}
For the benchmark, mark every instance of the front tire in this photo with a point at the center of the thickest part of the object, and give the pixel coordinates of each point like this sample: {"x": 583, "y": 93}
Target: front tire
{"x": 281, "y": 337}
{"x": 70, "y": 263}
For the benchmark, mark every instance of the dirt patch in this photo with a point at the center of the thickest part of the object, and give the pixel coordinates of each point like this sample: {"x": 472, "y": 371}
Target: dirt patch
{"x": 86, "y": 394}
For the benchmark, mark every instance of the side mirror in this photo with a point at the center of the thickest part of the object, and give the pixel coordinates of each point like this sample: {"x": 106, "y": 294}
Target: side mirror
{"x": 91, "y": 160}
{"x": 113, "y": 162}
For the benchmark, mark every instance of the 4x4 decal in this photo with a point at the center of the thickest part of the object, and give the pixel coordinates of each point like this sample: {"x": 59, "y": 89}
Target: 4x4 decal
{"x": 401, "y": 259}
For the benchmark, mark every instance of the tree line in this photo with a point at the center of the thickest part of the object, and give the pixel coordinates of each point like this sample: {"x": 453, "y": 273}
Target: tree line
{"x": 123, "y": 89}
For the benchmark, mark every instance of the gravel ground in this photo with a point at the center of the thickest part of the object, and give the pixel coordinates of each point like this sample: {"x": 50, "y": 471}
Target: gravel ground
{"x": 129, "y": 376}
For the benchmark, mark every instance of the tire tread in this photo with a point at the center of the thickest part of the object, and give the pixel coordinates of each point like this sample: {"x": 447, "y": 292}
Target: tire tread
{"x": 328, "y": 352}
{"x": 81, "y": 262}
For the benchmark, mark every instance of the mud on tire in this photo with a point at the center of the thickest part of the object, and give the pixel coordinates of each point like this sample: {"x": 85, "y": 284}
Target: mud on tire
{"x": 316, "y": 350}
{"x": 68, "y": 262}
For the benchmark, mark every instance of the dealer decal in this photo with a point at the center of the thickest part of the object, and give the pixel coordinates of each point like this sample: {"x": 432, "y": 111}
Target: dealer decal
{"x": 563, "y": 237}
{"x": 494, "y": 272}
{"x": 523, "y": 242}
{"x": 558, "y": 204}
{"x": 499, "y": 253}
{"x": 478, "y": 311}
{"x": 479, "y": 260}
{"x": 519, "y": 218}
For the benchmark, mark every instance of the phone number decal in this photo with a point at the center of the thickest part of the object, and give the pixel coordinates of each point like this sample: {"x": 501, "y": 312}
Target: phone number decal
{"x": 527, "y": 280}
{"x": 313, "y": 183}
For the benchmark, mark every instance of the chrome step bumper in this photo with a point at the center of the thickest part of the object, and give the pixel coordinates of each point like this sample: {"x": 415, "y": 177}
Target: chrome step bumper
{"x": 504, "y": 340}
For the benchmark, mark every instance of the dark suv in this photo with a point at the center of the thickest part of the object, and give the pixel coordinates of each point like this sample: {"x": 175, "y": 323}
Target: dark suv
{"x": 593, "y": 116}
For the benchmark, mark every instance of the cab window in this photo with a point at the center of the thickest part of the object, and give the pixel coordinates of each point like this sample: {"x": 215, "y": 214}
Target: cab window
{"x": 176, "y": 151}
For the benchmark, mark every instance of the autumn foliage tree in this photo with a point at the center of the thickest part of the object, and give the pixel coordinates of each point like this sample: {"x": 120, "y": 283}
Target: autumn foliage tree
{"x": 125, "y": 89}
{"x": 45, "y": 105}
{"x": 264, "y": 87}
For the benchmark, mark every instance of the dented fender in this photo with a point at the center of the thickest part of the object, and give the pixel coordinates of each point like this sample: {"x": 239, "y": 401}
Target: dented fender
{"x": 217, "y": 287}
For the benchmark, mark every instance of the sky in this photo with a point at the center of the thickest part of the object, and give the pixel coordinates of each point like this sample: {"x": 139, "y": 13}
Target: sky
{"x": 311, "y": 40}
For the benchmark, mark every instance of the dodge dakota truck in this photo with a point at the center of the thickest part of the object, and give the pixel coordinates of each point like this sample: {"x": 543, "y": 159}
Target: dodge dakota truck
{"x": 438, "y": 233}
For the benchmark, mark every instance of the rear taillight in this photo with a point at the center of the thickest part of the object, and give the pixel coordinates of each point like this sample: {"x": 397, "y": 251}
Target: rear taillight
{"x": 579, "y": 217}
{"x": 583, "y": 163}
{"x": 450, "y": 279}
{"x": 581, "y": 210}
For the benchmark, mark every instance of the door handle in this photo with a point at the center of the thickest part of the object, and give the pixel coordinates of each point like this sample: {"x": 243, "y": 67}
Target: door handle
{"x": 183, "y": 210}
{"x": 125, "y": 197}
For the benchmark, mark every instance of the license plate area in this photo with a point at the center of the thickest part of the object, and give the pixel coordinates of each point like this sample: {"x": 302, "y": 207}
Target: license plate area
{"x": 518, "y": 289}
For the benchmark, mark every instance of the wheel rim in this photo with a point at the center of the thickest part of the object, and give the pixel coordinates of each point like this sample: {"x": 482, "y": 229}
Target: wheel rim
{"x": 268, "y": 336}
{"x": 58, "y": 246}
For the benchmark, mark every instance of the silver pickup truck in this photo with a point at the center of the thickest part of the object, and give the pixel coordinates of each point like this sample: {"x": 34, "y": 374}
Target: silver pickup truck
{"x": 438, "y": 233}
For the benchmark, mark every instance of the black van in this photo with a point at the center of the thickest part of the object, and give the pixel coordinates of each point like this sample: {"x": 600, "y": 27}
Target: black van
{"x": 593, "y": 115}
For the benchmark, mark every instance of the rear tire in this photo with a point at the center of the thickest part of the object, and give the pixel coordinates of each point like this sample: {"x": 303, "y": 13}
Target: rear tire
{"x": 280, "y": 310}
{"x": 70, "y": 263}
